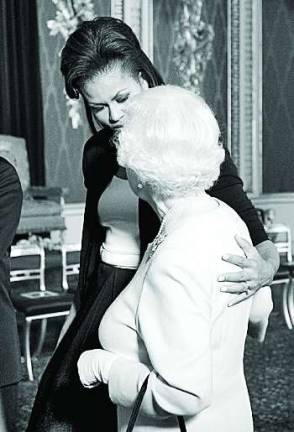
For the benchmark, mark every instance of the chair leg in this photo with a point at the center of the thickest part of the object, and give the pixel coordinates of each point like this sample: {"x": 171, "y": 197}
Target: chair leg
{"x": 285, "y": 305}
{"x": 41, "y": 339}
{"x": 27, "y": 348}
{"x": 291, "y": 302}
{"x": 42, "y": 270}
{"x": 64, "y": 265}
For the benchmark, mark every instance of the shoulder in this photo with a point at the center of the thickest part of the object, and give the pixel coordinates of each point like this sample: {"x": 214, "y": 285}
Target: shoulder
{"x": 197, "y": 238}
{"x": 96, "y": 146}
{"x": 8, "y": 175}
{"x": 99, "y": 158}
{"x": 6, "y": 168}
{"x": 11, "y": 196}
{"x": 228, "y": 166}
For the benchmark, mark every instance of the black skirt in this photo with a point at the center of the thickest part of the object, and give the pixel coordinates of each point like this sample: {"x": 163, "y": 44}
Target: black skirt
{"x": 62, "y": 404}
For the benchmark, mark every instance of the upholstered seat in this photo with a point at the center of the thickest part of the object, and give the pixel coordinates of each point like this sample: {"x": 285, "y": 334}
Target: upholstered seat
{"x": 42, "y": 206}
{"x": 36, "y": 302}
{"x": 32, "y": 208}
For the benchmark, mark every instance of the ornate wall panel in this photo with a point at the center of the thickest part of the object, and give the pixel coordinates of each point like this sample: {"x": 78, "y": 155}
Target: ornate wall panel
{"x": 63, "y": 145}
{"x": 278, "y": 96}
{"x": 214, "y": 87}
{"x": 244, "y": 99}
{"x": 138, "y": 14}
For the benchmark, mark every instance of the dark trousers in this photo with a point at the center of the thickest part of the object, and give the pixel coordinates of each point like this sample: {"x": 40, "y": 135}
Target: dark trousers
{"x": 8, "y": 407}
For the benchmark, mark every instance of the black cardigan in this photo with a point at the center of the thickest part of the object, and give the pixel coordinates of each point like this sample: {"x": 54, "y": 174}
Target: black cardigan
{"x": 99, "y": 166}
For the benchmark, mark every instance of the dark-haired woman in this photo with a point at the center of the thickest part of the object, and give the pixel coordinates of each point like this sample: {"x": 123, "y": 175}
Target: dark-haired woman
{"x": 103, "y": 63}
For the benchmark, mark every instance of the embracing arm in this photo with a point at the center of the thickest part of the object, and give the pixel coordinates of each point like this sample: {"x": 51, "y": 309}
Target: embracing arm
{"x": 262, "y": 260}
{"x": 258, "y": 267}
{"x": 268, "y": 252}
{"x": 261, "y": 308}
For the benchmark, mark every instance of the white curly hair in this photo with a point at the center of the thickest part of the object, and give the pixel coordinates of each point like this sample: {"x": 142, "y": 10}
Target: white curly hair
{"x": 170, "y": 140}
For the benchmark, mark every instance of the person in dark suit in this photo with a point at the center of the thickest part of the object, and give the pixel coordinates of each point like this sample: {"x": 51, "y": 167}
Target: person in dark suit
{"x": 10, "y": 367}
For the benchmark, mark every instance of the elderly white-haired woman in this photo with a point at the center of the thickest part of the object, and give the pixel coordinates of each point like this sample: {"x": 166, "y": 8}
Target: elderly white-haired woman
{"x": 172, "y": 322}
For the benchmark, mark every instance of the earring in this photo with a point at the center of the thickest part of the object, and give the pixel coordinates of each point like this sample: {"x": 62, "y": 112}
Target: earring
{"x": 139, "y": 186}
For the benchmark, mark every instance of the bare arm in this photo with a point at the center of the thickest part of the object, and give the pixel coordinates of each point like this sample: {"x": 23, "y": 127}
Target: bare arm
{"x": 261, "y": 308}
{"x": 268, "y": 251}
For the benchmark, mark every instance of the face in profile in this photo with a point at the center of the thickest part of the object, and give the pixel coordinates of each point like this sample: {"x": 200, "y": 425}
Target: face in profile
{"x": 108, "y": 95}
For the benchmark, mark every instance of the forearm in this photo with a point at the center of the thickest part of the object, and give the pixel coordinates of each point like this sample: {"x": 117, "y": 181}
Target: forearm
{"x": 161, "y": 398}
{"x": 261, "y": 307}
{"x": 270, "y": 255}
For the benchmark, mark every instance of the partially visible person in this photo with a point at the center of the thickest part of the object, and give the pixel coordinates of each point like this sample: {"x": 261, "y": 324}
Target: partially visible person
{"x": 102, "y": 63}
{"x": 10, "y": 367}
{"x": 171, "y": 322}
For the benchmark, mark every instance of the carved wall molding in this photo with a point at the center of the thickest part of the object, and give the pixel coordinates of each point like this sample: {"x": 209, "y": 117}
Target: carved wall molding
{"x": 138, "y": 15}
{"x": 234, "y": 79}
{"x": 245, "y": 90}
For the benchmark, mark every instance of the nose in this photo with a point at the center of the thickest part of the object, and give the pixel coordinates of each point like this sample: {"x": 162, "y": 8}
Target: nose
{"x": 115, "y": 114}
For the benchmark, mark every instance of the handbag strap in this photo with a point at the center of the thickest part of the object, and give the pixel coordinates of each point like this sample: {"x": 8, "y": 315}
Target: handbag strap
{"x": 137, "y": 405}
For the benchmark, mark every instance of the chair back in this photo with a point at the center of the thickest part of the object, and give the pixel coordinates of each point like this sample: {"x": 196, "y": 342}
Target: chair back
{"x": 14, "y": 150}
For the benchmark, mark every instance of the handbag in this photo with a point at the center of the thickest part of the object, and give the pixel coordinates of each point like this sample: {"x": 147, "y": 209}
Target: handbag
{"x": 136, "y": 407}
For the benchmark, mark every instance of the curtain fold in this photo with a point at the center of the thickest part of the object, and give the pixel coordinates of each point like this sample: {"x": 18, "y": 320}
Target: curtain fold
{"x": 21, "y": 112}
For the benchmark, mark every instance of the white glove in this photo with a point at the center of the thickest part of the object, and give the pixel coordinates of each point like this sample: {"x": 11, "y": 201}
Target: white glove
{"x": 94, "y": 367}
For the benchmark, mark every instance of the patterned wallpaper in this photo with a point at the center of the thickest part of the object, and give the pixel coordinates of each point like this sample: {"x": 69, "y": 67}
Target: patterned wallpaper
{"x": 63, "y": 145}
{"x": 278, "y": 95}
{"x": 214, "y": 88}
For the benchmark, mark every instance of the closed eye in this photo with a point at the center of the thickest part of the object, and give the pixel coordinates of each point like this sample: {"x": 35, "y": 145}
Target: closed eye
{"x": 96, "y": 109}
{"x": 122, "y": 99}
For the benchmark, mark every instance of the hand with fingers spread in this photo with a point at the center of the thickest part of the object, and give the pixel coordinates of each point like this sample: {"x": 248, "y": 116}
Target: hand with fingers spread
{"x": 256, "y": 272}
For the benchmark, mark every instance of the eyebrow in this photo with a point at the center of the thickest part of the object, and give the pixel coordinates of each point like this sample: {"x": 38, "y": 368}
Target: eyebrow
{"x": 93, "y": 104}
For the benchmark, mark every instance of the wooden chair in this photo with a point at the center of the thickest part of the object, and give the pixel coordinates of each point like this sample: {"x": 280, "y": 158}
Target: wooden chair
{"x": 281, "y": 236}
{"x": 41, "y": 216}
{"x": 39, "y": 304}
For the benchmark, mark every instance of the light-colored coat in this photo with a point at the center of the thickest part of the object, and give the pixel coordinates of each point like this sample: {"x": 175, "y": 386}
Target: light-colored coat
{"x": 173, "y": 322}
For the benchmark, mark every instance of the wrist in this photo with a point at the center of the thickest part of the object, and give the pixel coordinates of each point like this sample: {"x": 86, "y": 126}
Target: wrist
{"x": 269, "y": 273}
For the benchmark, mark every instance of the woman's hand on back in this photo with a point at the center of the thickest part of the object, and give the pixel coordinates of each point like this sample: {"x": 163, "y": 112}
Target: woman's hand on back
{"x": 255, "y": 272}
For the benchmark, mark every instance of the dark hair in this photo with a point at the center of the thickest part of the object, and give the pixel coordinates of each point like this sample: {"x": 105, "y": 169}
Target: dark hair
{"x": 97, "y": 45}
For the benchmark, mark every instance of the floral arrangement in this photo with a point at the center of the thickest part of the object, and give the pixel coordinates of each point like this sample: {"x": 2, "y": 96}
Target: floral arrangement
{"x": 193, "y": 44}
{"x": 69, "y": 13}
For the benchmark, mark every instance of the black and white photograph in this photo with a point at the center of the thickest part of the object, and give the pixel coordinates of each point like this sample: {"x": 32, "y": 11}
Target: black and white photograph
{"x": 147, "y": 216}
